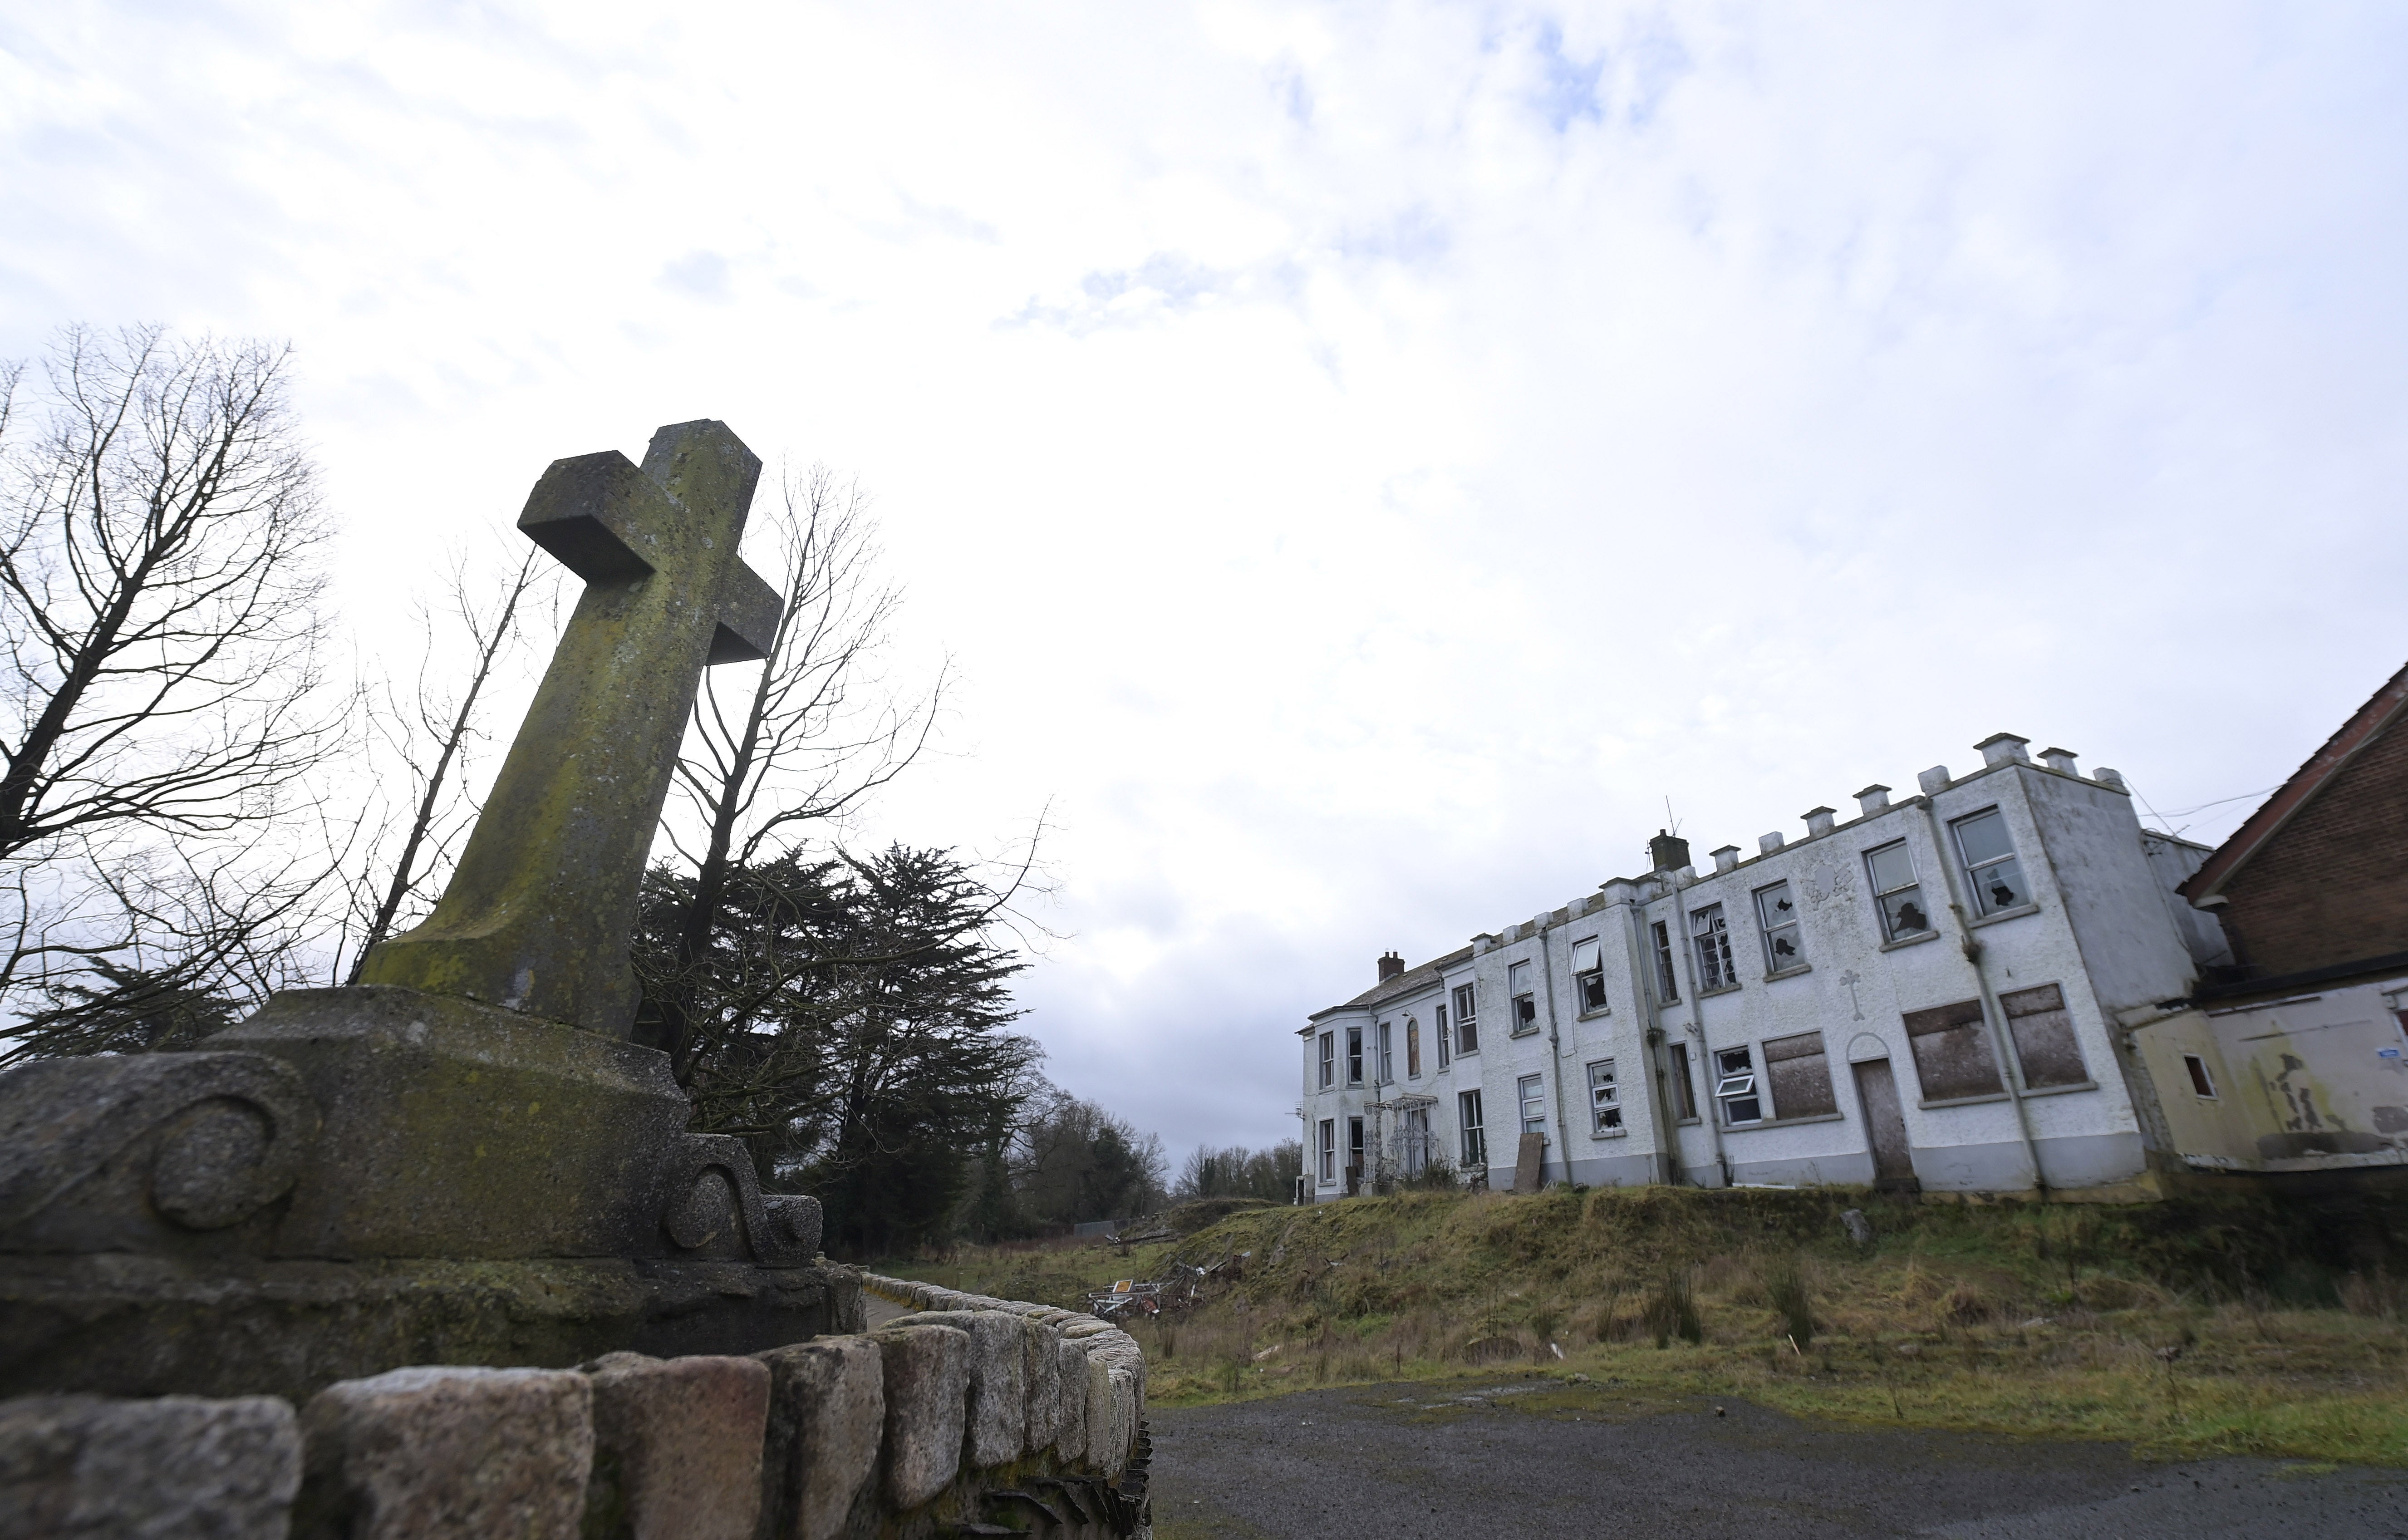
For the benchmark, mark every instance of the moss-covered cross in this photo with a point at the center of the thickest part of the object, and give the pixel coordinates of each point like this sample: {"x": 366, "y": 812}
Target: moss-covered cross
{"x": 539, "y": 911}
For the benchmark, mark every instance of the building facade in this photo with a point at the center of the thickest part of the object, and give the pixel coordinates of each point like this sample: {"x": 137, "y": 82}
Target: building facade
{"x": 2292, "y": 1058}
{"x": 1927, "y": 995}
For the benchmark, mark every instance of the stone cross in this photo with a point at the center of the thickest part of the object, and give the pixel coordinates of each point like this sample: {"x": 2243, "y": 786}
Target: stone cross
{"x": 539, "y": 909}
{"x": 1851, "y": 978}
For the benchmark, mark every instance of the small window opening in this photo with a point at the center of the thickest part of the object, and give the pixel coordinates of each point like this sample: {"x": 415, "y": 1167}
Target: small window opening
{"x": 2200, "y": 1081}
{"x": 1588, "y": 974}
{"x": 1735, "y": 1086}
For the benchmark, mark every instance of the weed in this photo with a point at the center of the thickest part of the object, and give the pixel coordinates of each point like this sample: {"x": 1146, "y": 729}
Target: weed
{"x": 1672, "y": 1310}
{"x": 1784, "y": 1284}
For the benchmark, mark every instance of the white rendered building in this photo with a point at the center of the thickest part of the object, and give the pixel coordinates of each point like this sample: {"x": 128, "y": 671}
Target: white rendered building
{"x": 1926, "y": 995}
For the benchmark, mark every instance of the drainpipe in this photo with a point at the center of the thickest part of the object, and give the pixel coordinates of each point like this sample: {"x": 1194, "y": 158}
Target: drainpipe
{"x": 1991, "y": 1014}
{"x": 1555, "y": 1051}
{"x": 1710, "y": 1110}
{"x": 1650, "y": 1041}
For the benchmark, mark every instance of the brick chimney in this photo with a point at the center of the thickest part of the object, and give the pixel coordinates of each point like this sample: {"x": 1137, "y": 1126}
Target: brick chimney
{"x": 1390, "y": 966}
{"x": 1666, "y": 851}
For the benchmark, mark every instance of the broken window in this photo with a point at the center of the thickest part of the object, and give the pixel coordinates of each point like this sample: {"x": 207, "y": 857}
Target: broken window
{"x": 2043, "y": 1038}
{"x": 1354, "y": 1055}
{"x": 1735, "y": 1086}
{"x": 2200, "y": 1084}
{"x": 1604, "y": 1097}
{"x": 1387, "y": 1059}
{"x": 1895, "y": 892}
{"x": 1412, "y": 1049}
{"x": 1667, "y": 984}
{"x": 1952, "y": 1051}
{"x": 1588, "y": 974}
{"x": 1440, "y": 1024}
{"x": 1706, "y": 927}
{"x": 1328, "y": 1152}
{"x": 1776, "y": 915}
{"x": 1685, "y": 1095}
{"x": 1990, "y": 862}
{"x": 1467, "y": 1028}
{"x": 1525, "y": 1004}
{"x": 1800, "y": 1075}
{"x": 1475, "y": 1139}
{"x": 1329, "y": 1059}
{"x": 1534, "y": 1103}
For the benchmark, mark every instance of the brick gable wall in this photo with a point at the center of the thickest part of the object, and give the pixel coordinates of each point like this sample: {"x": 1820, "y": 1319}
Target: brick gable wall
{"x": 2332, "y": 886}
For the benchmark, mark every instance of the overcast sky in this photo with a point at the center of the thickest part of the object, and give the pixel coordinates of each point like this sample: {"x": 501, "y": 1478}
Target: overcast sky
{"x": 1364, "y": 458}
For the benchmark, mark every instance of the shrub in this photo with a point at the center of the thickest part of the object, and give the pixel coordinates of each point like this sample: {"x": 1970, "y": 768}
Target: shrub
{"x": 1784, "y": 1284}
{"x": 1672, "y": 1310}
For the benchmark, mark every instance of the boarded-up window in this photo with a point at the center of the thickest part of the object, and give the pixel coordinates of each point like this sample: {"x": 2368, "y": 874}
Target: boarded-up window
{"x": 2043, "y": 1035}
{"x": 1952, "y": 1051}
{"x": 1800, "y": 1076}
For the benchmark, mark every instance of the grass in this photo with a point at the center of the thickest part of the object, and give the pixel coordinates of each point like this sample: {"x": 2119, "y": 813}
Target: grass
{"x": 2188, "y": 1327}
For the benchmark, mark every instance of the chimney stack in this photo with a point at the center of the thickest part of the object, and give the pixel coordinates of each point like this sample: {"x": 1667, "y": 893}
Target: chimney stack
{"x": 1390, "y": 966}
{"x": 1666, "y": 851}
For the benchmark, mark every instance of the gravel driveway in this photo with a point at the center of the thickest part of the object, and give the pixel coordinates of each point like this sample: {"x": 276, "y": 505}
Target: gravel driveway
{"x": 1455, "y": 1460}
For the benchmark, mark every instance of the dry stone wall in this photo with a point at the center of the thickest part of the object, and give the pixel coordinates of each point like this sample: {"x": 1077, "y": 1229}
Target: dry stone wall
{"x": 969, "y": 1416}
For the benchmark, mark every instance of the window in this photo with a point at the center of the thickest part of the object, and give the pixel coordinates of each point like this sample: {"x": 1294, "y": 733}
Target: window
{"x": 1412, "y": 1049}
{"x": 1524, "y": 1018}
{"x": 2043, "y": 1033}
{"x": 2200, "y": 1084}
{"x": 1895, "y": 893}
{"x": 1800, "y": 1076}
{"x": 1735, "y": 1086}
{"x": 1668, "y": 983}
{"x": 1990, "y": 862}
{"x": 1328, "y": 1152}
{"x": 1604, "y": 1098}
{"x": 1685, "y": 1095}
{"x": 1354, "y": 1055}
{"x": 1387, "y": 1059}
{"x": 1706, "y": 927}
{"x": 1534, "y": 1103}
{"x": 1467, "y": 1027}
{"x": 1354, "y": 1147}
{"x": 1589, "y": 975}
{"x": 1952, "y": 1051}
{"x": 1329, "y": 1059}
{"x": 1475, "y": 1140}
{"x": 1776, "y": 912}
{"x": 1439, "y": 1034}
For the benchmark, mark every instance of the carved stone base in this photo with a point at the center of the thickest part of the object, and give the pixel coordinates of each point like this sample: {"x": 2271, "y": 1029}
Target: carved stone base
{"x": 357, "y": 1179}
{"x": 143, "y": 1326}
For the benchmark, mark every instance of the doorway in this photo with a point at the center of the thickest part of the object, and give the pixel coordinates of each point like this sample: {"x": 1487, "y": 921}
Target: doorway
{"x": 1893, "y": 1160}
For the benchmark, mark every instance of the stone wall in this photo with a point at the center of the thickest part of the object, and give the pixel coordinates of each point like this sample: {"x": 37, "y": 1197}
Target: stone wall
{"x": 968, "y": 1416}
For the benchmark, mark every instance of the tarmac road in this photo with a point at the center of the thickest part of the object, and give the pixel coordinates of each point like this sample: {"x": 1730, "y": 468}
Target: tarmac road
{"x": 1456, "y": 1461}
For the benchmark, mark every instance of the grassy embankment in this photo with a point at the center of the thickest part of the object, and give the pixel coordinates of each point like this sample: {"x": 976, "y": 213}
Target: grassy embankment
{"x": 2240, "y": 1325}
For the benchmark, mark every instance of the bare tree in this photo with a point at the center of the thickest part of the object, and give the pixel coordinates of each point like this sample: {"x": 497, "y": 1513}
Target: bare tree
{"x": 162, "y": 695}
{"x": 813, "y": 734}
{"x": 426, "y": 740}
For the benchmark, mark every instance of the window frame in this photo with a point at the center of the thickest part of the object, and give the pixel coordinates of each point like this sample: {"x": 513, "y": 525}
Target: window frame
{"x": 1526, "y": 1097}
{"x": 2203, "y": 1081}
{"x": 1588, "y": 983}
{"x": 1387, "y": 1060}
{"x": 1467, "y": 1019}
{"x": 1715, "y": 968}
{"x": 1984, "y": 905}
{"x": 1354, "y": 1055}
{"x": 1328, "y": 1062}
{"x": 1522, "y": 1003}
{"x": 1438, "y": 1034}
{"x": 1605, "y": 1116}
{"x": 1684, "y": 1089}
{"x": 1725, "y": 1095}
{"x": 1329, "y": 1164}
{"x": 1768, "y": 928}
{"x": 1667, "y": 980}
{"x": 1473, "y": 1131}
{"x": 1913, "y": 885}
{"x": 1413, "y": 1047}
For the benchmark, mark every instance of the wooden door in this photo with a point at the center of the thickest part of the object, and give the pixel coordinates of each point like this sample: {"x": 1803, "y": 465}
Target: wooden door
{"x": 1877, "y": 1093}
